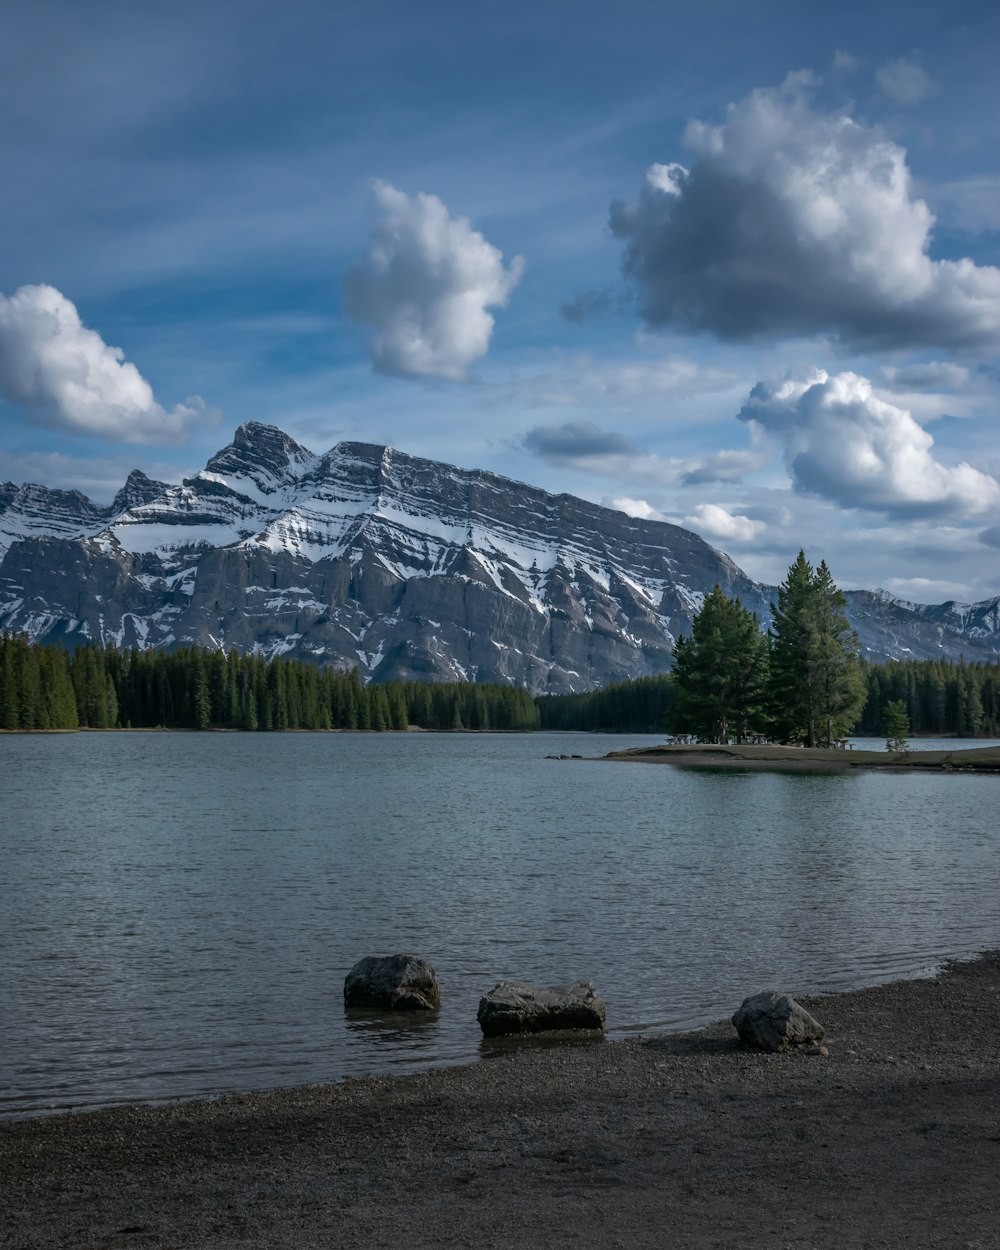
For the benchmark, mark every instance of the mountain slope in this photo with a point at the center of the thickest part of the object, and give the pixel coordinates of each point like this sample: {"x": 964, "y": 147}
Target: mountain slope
{"x": 399, "y": 565}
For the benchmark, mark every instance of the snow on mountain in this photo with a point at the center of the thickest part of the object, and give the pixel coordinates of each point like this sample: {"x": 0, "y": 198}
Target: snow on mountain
{"x": 400, "y": 565}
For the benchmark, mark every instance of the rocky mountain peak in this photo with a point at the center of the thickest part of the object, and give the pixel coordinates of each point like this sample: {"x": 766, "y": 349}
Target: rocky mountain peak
{"x": 261, "y": 454}
{"x": 138, "y": 490}
{"x": 31, "y": 509}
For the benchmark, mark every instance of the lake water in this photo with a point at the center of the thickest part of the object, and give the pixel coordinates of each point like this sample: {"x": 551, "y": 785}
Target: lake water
{"x": 178, "y": 911}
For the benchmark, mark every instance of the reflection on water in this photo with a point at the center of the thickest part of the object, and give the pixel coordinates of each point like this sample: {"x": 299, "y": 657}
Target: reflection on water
{"x": 178, "y": 911}
{"x": 404, "y": 1034}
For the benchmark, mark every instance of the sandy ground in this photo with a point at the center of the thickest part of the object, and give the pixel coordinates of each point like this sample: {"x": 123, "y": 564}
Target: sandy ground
{"x": 893, "y": 1140}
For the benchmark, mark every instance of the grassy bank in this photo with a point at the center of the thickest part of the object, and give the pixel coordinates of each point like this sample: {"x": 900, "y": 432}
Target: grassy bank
{"x": 705, "y": 755}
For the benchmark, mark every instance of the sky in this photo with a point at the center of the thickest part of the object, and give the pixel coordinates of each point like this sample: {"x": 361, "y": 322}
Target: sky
{"x": 732, "y": 266}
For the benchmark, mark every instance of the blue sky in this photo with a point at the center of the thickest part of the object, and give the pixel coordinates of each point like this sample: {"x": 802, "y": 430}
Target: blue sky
{"x": 736, "y": 266}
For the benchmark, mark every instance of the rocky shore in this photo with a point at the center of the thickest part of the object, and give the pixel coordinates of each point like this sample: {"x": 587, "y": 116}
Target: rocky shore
{"x": 891, "y": 1140}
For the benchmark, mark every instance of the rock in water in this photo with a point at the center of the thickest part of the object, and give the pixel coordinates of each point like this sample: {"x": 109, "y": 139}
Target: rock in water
{"x": 520, "y": 1007}
{"x": 775, "y": 1022}
{"x": 393, "y": 983}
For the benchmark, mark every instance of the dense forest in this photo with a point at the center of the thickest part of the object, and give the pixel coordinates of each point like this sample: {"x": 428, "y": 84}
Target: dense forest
{"x": 641, "y": 706}
{"x": 953, "y": 699}
{"x": 45, "y": 687}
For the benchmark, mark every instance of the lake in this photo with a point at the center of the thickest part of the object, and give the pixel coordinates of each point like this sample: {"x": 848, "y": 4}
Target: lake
{"x": 178, "y": 911}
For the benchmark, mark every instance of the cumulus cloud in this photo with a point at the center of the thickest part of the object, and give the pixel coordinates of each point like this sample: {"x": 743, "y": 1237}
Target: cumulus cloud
{"x": 423, "y": 287}
{"x": 713, "y": 520}
{"x": 68, "y": 378}
{"x": 576, "y": 440}
{"x": 635, "y": 507}
{"x": 843, "y": 442}
{"x": 793, "y": 222}
{"x": 905, "y": 80}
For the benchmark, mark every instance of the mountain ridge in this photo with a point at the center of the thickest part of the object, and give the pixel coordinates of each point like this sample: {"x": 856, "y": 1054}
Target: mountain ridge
{"x": 403, "y": 566}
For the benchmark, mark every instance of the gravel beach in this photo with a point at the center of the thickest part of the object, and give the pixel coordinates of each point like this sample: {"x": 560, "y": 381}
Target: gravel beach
{"x": 687, "y": 1140}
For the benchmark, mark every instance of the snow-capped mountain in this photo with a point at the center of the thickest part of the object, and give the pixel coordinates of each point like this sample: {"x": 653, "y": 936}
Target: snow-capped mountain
{"x": 401, "y": 566}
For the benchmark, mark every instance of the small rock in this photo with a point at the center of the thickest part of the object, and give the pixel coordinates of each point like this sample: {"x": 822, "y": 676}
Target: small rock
{"x": 774, "y": 1022}
{"x": 520, "y": 1007}
{"x": 393, "y": 983}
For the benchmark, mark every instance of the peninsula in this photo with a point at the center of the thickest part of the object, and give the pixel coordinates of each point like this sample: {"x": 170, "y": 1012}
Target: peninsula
{"x": 789, "y": 758}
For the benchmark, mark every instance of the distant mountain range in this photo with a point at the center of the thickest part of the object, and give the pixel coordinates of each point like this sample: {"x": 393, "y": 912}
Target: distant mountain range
{"x": 401, "y": 566}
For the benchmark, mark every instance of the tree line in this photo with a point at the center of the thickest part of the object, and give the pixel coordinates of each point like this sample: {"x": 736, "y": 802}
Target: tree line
{"x": 800, "y": 681}
{"x": 955, "y": 699}
{"x": 959, "y": 699}
{"x": 45, "y": 687}
{"x": 643, "y": 705}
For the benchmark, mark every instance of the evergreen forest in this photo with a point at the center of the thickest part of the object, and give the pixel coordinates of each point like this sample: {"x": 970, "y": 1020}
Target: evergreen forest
{"x": 955, "y": 700}
{"x": 801, "y": 680}
{"x": 43, "y": 687}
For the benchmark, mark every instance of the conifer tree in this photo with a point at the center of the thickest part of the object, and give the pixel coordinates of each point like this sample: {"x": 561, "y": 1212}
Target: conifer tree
{"x": 897, "y": 726}
{"x": 720, "y": 672}
{"x": 817, "y": 689}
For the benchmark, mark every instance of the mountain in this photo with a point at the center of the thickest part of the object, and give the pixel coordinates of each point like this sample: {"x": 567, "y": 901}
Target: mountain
{"x": 401, "y": 566}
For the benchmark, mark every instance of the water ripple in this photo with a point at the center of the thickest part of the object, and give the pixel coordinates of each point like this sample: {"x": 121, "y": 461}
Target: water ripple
{"x": 179, "y": 911}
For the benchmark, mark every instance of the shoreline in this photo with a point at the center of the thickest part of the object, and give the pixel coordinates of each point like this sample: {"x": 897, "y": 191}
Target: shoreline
{"x": 893, "y": 1139}
{"x": 985, "y": 760}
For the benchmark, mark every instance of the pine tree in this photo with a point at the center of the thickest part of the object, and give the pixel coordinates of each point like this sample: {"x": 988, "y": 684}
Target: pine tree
{"x": 840, "y": 686}
{"x": 817, "y": 687}
{"x": 970, "y": 720}
{"x": 720, "y": 672}
{"x": 897, "y": 726}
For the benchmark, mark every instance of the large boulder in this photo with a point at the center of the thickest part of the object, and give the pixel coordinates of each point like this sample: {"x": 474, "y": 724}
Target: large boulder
{"x": 775, "y": 1022}
{"x": 393, "y": 983}
{"x": 520, "y": 1007}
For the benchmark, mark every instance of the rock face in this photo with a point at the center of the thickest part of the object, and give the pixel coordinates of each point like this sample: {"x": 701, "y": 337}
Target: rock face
{"x": 520, "y": 1007}
{"x": 393, "y": 983}
{"x": 775, "y": 1022}
{"x": 402, "y": 567}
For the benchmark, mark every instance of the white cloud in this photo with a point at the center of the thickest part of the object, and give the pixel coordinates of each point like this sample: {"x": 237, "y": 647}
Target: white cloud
{"x": 905, "y": 81}
{"x": 423, "y": 287}
{"x": 716, "y": 522}
{"x": 68, "y": 378}
{"x": 845, "y": 443}
{"x": 795, "y": 222}
{"x": 924, "y": 589}
{"x": 635, "y": 507}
